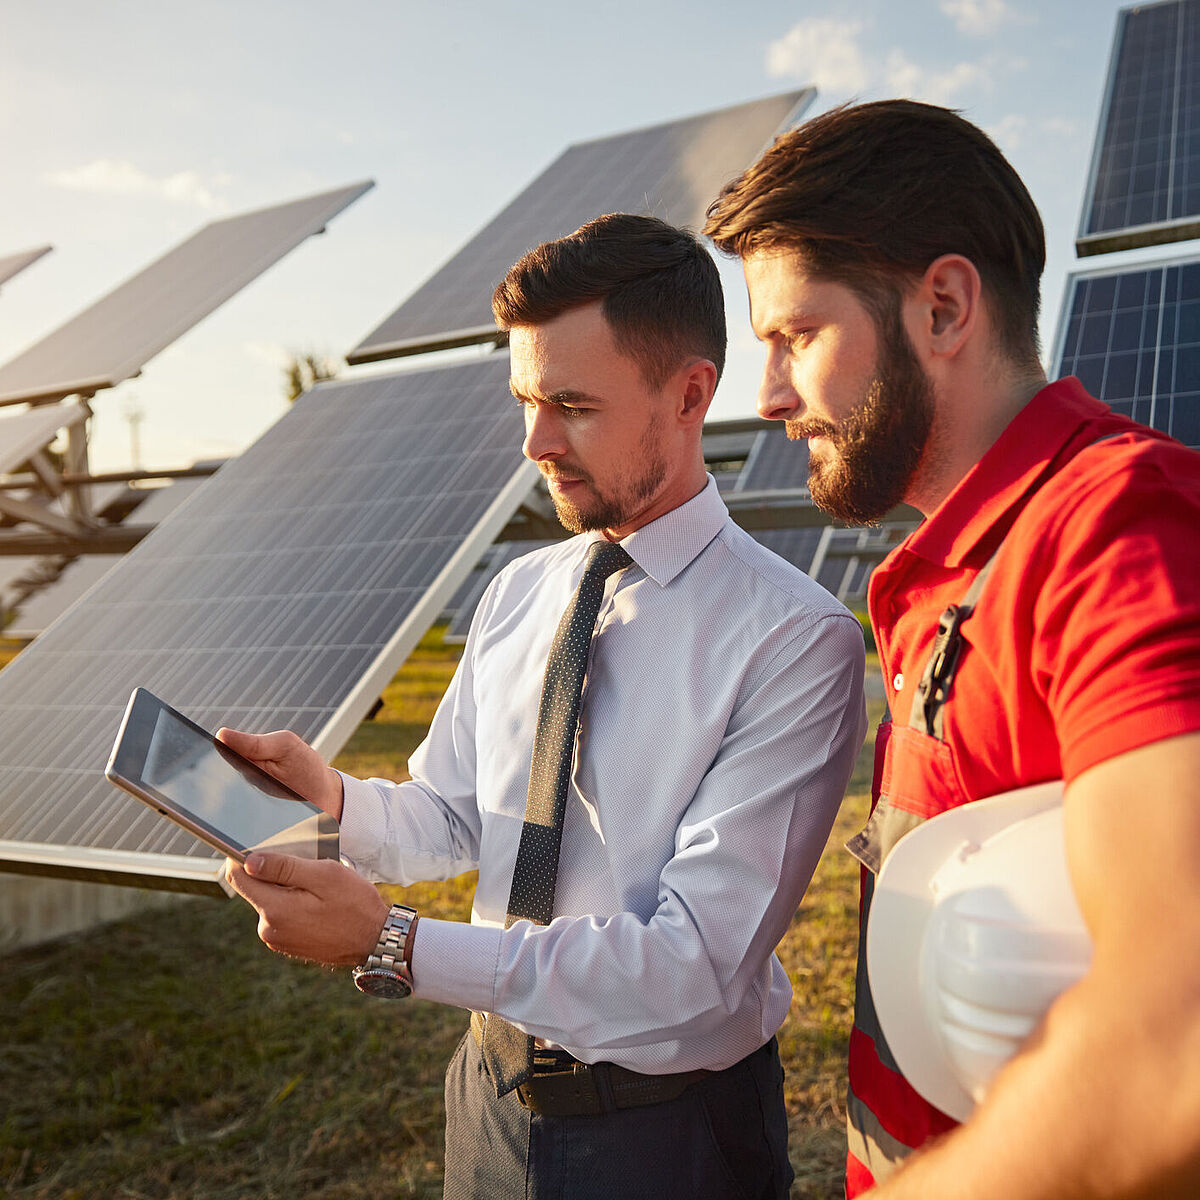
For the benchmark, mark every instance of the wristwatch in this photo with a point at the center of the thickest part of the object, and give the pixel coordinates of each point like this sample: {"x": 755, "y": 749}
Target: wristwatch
{"x": 386, "y": 972}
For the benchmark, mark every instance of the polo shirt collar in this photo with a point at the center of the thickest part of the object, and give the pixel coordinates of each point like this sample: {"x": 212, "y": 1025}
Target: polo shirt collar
{"x": 664, "y": 547}
{"x": 1002, "y": 477}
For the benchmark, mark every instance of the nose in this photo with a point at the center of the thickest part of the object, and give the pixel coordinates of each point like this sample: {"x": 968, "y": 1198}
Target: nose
{"x": 778, "y": 399}
{"x": 543, "y": 433}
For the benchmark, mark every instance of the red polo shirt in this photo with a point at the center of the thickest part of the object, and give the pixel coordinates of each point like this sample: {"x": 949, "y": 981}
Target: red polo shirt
{"x": 1085, "y": 644}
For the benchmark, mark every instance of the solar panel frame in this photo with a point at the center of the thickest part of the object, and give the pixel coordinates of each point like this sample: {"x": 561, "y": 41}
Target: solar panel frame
{"x": 641, "y": 170}
{"x": 286, "y": 591}
{"x": 1169, "y": 180}
{"x": 1117, "y": 347}
{"x": 113, "y": 338}
{"x": 11, "y": 265}
{"x": 25, "y": 433}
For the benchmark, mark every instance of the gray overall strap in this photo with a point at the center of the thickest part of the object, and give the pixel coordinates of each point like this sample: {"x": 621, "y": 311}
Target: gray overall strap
{"x": 938, "y": 677}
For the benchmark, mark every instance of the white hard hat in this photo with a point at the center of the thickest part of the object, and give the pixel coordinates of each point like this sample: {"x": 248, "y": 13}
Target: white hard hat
{"x": 973, "y": 931}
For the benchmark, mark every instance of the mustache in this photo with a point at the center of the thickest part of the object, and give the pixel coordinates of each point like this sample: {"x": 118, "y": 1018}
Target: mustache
{"x": 802, "y": 430}
{"x": 564, "y": 472}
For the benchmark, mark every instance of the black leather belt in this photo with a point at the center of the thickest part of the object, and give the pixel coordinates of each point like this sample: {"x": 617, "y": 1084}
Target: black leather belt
{"x": 562, "y": 1086}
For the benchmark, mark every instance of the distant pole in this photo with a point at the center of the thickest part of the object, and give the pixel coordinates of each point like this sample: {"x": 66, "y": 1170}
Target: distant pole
{"x": 134, "y": 415}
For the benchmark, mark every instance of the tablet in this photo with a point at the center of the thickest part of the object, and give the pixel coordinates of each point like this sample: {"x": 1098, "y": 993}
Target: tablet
{"x": 182, "y": 772}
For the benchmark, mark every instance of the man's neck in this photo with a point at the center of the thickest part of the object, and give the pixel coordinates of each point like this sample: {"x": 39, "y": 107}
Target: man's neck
{"x": 966, "y": 425}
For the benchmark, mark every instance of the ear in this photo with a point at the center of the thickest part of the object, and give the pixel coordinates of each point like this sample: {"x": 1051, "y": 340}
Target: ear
{"x": 695, "y": 384}
{"x": 945, "y": 309}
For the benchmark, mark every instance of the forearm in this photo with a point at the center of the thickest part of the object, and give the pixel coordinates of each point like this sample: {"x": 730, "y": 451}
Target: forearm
{"x": 402, "y": 833}
{"x": 1104, "y": 1104}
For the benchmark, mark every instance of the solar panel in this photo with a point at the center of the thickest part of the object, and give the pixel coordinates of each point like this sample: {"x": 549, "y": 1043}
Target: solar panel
{"x": 44, "y": 606}
{"x": 113, "y": 338}
{"x": 1145, "y": 175}
{"x": 25, "y": 433}
{"x": 284, "y": 593}
{"x": 14, "y": 264}
{"x": 671, "y": 171}
{"x": 1132, "y": 336}
{"x": 774, "y": 462}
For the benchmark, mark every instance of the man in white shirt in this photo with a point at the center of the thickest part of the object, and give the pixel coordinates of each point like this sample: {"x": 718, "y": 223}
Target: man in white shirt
{"x": 719, "y": 721}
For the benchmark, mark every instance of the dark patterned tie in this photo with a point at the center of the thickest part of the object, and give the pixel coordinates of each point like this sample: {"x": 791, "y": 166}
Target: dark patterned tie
{"x": 507, "y": 1051}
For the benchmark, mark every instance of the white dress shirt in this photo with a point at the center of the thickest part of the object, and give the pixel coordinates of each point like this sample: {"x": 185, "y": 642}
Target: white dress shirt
{"x": 721, "y": 715}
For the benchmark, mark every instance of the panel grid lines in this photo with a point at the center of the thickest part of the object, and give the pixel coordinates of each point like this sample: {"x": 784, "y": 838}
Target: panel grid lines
{"x": 1132, "y": 337}
{"x": 1146, "y": 165}
{"x": 671, "y": 171}
{"x": 265, "y": 598}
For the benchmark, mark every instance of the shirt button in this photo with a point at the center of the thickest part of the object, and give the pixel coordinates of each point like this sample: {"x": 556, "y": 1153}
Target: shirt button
{"x": 898, "y": 683}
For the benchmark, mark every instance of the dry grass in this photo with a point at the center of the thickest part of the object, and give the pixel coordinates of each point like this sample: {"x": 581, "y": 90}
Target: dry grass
{"x": 172, "y": 1057}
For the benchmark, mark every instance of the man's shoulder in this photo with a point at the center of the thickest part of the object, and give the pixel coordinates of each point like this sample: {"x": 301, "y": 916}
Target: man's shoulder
{"x": 761, "y": 570}
{"x": 1127, "y": 470}
{"x": 536, "y": 563}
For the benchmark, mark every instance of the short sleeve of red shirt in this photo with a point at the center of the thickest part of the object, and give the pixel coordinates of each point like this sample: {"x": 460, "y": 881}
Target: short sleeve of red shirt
{"x": 1118, "y": 605}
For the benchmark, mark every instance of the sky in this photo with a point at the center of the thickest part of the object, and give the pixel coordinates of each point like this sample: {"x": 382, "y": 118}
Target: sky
{"x": 125, "y": 127}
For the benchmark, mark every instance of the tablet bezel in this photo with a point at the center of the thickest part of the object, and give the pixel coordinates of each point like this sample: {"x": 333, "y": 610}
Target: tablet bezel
{"x": 126, "y": 769}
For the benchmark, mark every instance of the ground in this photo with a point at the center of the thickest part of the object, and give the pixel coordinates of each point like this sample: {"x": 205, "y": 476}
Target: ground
{"x": 171, "y": 1056}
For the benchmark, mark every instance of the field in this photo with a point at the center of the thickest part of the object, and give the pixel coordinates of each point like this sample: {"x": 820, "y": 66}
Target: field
{"x": 172, "y": 1057}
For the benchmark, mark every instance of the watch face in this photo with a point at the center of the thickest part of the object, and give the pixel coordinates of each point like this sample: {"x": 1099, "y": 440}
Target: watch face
{"x": 376, "y": 981}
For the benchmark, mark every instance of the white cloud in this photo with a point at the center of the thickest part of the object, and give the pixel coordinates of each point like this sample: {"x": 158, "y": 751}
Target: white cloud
{"x": 1012, "y": 132}
{"x": 1009, "y": 132}
{"x": 821, "y": 51}
{"x": 978, "y": 18}
{"x": 830, "y": 54}
{"x": 906, "y": 78}
{"x": 120, "y": 177}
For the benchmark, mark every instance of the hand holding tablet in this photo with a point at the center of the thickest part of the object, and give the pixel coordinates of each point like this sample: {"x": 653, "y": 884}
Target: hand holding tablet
{"x": 175, "y": 767}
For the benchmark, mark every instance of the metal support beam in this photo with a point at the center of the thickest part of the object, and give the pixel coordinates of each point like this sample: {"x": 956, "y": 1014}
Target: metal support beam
{"x": 44, "y": 474}
{"x": 104, "y": 539}
{"x": 37, "y": 514}
{"x": 70, "y": 479}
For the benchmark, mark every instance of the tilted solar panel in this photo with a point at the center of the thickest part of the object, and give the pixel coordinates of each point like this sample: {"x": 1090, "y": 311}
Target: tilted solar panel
{"x": 1132, "y": 336}
{"x": 671, "y": 171}
{"x": 775, "y": 462}
{"x": 112, "y": 339}
{"x": 14, "y": 264}
{"x": 284, "y": 593}
{"x": 45, "y": 605}
{"x": 1145, "y": 175}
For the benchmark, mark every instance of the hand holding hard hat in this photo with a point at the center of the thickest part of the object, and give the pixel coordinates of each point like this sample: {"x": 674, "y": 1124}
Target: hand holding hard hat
{"x": 974, "y": 930}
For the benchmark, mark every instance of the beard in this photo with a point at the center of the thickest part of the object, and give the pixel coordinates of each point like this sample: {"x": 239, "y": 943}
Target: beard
{"x": 614, "y": 509}
{"x": 878, "y": 447}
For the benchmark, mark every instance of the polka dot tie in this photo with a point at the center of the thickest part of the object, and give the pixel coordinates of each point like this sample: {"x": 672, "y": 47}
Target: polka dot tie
{"x": 507, "y": 1051}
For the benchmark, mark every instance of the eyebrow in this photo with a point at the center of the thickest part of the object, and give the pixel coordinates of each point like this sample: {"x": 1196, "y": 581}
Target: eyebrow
{"x": 564, "y": 396}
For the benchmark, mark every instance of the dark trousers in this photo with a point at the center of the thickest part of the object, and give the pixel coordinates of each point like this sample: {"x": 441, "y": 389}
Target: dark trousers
{"x": 725, "y": 1138}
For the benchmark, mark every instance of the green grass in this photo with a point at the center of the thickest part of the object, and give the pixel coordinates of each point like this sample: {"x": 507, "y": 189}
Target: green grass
{"x": 171, "y": 1056}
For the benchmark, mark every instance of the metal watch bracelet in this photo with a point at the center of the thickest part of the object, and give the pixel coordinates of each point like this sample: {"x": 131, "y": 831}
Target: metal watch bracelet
{"x": 386, "y": 972}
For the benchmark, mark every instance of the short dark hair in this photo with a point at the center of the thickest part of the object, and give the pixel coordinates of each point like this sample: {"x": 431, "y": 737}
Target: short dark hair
{"x": 870, "y": 194}
{"x": 660, "y": 290}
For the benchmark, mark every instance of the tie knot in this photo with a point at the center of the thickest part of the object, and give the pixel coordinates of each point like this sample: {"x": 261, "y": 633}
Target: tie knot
{"x": 605, "y": 557}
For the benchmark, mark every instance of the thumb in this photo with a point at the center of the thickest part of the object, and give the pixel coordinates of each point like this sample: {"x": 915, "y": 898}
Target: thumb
{"x": 281, "y": 869}
{"x": 243, "y": 743}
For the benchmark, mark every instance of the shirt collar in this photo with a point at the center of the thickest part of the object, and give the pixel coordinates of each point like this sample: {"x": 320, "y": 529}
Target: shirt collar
{"x": 1000, "y": 480}
{"x": 664, "y": 547}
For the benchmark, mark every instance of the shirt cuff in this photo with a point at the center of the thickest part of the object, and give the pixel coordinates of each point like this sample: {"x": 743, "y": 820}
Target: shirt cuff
{"x": 455, "y": 963}
{"x": 363, "y": 826}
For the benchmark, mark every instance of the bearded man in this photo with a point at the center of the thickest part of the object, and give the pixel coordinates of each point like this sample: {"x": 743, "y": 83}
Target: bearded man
{"x": 892, "y": 257}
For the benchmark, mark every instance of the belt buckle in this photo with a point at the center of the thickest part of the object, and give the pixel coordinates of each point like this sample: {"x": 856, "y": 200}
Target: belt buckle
{"x": 570, "y": 1093}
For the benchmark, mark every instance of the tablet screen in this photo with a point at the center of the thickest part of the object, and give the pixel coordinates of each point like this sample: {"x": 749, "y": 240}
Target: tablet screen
{"x": 165, "y": 755}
